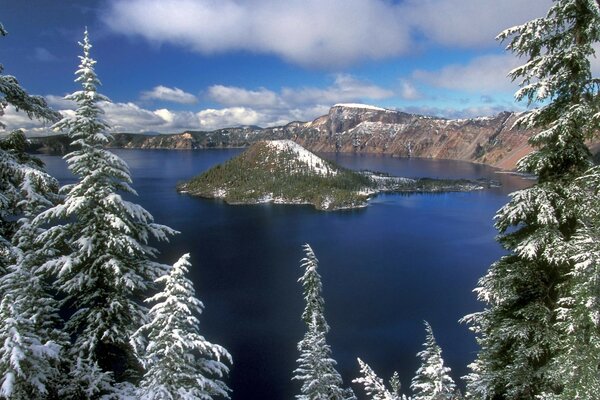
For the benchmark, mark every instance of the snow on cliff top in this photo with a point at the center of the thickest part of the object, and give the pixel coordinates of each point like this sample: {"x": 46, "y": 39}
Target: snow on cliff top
{"x": 363, "y": 106}
{"x": 315, "y": 163}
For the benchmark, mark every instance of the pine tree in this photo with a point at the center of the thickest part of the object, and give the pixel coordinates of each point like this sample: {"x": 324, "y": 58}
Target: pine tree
{"x": 105, "y": 263}
{"x": 432, "y": 381}
{"x": 15, "y": 164}
{"x": 30, "y": 339}
{"x": 316, "y": 369}
{"x": 532, "y": 293}
{"x": 31, "y": 336}
{"x": 576, "y": 366}
{"x": 375, "y": 387}
{"x": 22, "y": 180}
{"x": 180, "y": 363}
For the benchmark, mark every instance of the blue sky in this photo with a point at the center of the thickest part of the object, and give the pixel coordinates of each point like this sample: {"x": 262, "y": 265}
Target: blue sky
{"x": 172, "y": 65}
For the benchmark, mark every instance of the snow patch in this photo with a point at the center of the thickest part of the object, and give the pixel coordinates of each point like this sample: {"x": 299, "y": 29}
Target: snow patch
{"x": 361, "y": 106}
{"x": 315, "y": 163}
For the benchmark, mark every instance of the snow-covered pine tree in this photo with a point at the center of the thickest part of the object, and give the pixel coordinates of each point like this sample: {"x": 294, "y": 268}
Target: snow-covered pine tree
{"x": 15, "y": 164}
{"x": 31, "y": 336}
{"x": 316, "y": 368}
{"x": 432, "y": 381}
{"x": 105, "y": 263}
{"x": 576, "y": 367}
{"x": 30, "y": 339}
{"x": 530, "y": 293}
{"x": 22, "y": 179}
{"x": 375, "y": 387}
{"x": 180, "y": 363}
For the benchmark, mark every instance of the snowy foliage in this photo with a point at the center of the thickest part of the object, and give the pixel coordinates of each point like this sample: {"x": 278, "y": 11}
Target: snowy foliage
{"x": 539, "y": 335}
{"x": 303, "y": 157}
{"x": 30, "y": 339}
{"x": 180, "y": 363}
{"x": 432, "y": 381}
{"x": 24, "y": 187}
{"x": 105, "y": 262}
{"x": 316, "y": 368}
{"x": 578, "y": 313}
{"x": 375, "y": 387}
{"x": 27, "y": 362}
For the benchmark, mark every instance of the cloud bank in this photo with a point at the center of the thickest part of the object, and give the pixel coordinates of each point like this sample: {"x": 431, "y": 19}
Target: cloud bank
{"x": 174, "y": 95}
{"x": 316, "y": 33}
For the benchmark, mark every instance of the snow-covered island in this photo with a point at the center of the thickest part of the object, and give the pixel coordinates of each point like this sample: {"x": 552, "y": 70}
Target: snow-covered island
{"x": 283, "y": 172}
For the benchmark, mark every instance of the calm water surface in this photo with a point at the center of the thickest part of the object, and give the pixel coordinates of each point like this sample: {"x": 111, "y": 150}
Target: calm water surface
{"x": 385, "y": 269}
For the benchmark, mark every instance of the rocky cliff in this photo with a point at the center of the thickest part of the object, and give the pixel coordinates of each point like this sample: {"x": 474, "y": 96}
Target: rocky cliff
{"x": 365, "y": 129}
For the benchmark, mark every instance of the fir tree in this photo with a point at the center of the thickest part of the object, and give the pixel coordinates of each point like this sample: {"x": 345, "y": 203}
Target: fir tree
{"x": 576, "y": 367}
{"x": 15, "y": 164}
{"x": 30, "y": 339}
{"x": 180, "y": 363}
{"x": 534, "y": 294}
{"x": 105, "y": 262}
{"x": 31, "y": 336}
{"x": 316, "y": 369}
{"x": 375, "y": 387}
{"x": 432, "y": 381}
{"x": 22, "y": 180}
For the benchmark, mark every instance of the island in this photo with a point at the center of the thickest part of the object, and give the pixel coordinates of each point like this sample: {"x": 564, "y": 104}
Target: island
{"x": 283, "y": 172}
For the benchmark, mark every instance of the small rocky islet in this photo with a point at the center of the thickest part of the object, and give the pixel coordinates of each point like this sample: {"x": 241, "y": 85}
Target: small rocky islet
{"x": 283, "y": 172}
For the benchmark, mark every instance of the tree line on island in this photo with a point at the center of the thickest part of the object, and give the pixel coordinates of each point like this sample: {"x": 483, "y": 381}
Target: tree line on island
{"x": 77, "y": 266}
{"x": 285, "y": 172}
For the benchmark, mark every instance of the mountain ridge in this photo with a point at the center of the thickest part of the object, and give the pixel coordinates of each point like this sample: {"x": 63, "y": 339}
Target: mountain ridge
{"x": 356, "y": 128}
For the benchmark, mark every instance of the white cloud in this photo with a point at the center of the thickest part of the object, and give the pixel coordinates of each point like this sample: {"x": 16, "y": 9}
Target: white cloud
{"x": 174, "y": 95}
{"x": 60, "y": 103}
{"x": 227, "y": 117}
{"x": 484, "y": 74}
{"x": 13, "y": 119}
{"x": 470, "y": 23}
{"x": 308, "y": 32}
{"x": 236, "y": 96}
{"x": 344, "y": 89}
{"x": 330, "y": 33}
{"x": 408, "y": 91}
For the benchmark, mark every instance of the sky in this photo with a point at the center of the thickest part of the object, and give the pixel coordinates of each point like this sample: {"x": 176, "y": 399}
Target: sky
{"x": 175, "y": 65}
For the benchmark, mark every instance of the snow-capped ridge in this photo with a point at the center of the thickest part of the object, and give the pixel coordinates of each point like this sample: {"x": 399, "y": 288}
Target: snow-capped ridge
{"x": 315, "y": 163}
{"x": 361, "y": 106}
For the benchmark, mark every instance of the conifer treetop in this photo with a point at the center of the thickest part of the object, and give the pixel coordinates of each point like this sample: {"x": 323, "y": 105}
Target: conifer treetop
{"x": 180, "y": 363}
{"x": 313, "y": 288}
{"x": 375, "y": 387}
{"x": 432, "y": 380}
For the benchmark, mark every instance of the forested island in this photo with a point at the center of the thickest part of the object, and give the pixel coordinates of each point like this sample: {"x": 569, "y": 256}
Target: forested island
{"x": 284, "y": 172}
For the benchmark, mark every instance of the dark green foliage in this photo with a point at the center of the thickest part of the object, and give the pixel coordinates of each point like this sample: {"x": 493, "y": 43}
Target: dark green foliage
{"x": 261, "y": 174}
{"x": 536, "y": 300}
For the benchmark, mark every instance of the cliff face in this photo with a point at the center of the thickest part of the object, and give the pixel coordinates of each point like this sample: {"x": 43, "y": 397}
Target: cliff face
{"x": 364, "y": 129}
{"x": 491, "y": 140}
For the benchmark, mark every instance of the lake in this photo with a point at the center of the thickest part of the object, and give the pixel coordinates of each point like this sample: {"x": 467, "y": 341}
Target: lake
{"x": 385, "y": 268}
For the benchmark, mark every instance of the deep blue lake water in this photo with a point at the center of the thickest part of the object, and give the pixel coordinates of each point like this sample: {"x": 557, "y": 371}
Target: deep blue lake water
{"x": 385, "y": 268}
